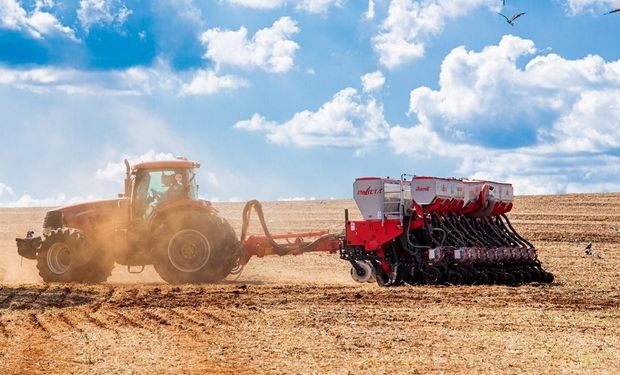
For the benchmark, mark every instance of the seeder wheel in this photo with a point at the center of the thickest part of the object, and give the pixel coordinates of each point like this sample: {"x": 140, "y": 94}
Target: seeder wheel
{"x": 455, "y": 277}
{"x": 433, "y": 275}
{"x": 362, "y": 272}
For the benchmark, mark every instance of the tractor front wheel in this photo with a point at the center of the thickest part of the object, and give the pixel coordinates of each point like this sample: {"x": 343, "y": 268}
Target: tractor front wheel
{"x": 67, "y": 256}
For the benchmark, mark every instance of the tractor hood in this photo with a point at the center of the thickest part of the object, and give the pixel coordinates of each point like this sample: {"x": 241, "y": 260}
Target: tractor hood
{"x": 84, "y": 215}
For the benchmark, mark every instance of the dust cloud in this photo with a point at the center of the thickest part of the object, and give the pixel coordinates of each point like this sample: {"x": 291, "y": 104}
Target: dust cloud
{"x": 15, "y": 222}
{"x": 282, "y": 217}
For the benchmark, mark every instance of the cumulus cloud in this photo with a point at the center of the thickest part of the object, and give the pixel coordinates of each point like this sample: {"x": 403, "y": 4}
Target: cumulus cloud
{"x": 295, "y": 199}
{"x": 564, "y": 115}
{"x": 575, "y": 7}
{"x": 6, "y": 191}
{"x": 318, "y": 6}
{"x": 258, "y": 4}
{"x": 270, "y": 48}
{"x": 349, "y": 119}
{"x": 485, "y": 95}
{"x": 131, "y": 81}
{"x": 370, "y": 14}
{"x": 373, "y": 81}
{"x": 8, "y": 198}
{"x": 207, "y": 82}
{"x": 37, "y": 23}
{"x": 115, "y": 171}
{"x": 102, "y": 13}
{"x": 410, "y": 23}
{"x": 54, "y": 201}
{"x": 309, "y": 6}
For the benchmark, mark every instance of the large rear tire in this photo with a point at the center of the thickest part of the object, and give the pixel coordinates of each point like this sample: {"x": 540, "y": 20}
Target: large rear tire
{"x": 67, "y": 256}
{"x": 195, "y": 248}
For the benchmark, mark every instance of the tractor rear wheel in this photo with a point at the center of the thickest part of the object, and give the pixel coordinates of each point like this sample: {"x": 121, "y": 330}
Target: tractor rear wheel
{"x": 66, "y": 255}
{"x": 195, "y": 248}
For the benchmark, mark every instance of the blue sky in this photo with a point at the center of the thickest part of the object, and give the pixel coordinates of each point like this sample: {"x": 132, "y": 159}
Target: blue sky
{"x": 295, "y": 98}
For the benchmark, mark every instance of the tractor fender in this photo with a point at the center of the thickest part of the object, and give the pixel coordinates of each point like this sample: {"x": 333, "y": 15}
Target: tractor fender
{"x": 199, "y": 206}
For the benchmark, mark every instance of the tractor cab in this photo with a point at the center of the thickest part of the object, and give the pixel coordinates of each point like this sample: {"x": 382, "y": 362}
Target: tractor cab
{"x": 152, "y": 185}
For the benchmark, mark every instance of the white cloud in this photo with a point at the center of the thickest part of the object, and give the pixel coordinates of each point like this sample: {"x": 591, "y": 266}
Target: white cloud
{"x": 259, "y": 4}
{"x": 115, "y": 171}
{"x": 295, "y": 199}
{"x": 5, "y": 191}
{"x": 131, "y": 81}
{"x": 256, "y": 123}
{"x": 8, "y": 198}
{"x": 309, "y": 6}
{"x": 318, "y": 6}
{"x": 270, "y": 48}
{"x": 373, "y": 81}
{"x": 486, "y": 93}
{"x": 102, "y": 13}
{"x": 569, "y": 111}
{"x": 36, "y": 23}
{"x": 349, "y": 119}
{"x": 207, "y": 82}
{"x": 410, "y": 23}
{"x": 575, "y": 7}
{"x": 370, "y": 14}
{"x": 53, "y": 201}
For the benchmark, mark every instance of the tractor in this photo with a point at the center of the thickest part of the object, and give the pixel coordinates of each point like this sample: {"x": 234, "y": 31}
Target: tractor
{"x": 158, "y": 220}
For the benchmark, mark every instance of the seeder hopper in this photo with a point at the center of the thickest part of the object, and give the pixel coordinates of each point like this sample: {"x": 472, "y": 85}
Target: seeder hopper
{"x": 414, "y": 230}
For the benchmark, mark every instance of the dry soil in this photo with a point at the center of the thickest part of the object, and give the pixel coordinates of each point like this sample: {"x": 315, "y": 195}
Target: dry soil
{"x": 305, "y": 315}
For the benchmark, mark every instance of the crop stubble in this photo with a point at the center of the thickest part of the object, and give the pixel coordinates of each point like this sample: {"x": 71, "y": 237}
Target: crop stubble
{"x": 304, "y": 314}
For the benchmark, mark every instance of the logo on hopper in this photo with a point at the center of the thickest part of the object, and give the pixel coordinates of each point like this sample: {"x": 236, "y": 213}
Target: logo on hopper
{"x": 370, "y": 191}
{"x": 422, "y": 188}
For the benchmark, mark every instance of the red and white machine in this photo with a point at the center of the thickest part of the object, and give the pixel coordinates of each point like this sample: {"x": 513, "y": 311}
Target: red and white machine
{"x": 420, "y": 229}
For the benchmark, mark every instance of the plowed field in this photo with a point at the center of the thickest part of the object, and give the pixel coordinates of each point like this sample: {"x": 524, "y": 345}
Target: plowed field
{"x": 305, "y": 315}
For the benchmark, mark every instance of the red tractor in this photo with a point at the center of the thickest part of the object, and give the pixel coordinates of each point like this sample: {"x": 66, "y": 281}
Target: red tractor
{"x": 158, "y": 220}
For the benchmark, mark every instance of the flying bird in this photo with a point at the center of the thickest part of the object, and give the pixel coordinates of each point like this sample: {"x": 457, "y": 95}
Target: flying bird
{"x": 511, "y": 21}
{"x": 613, "y": 11}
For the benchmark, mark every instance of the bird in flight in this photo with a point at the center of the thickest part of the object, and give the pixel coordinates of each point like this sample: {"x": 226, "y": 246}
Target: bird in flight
{"x": 613, "y": 11}
{"x": 511, "y": 21}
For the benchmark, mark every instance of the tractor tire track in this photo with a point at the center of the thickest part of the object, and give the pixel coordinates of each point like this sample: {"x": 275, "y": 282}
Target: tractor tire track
{"x": 184, "y": 318}
{"x": 127, "y": 321}
{"x": 68, "y": 322}
{"x": 90, "y": 318}
{"x": 156, "y": 318}
{"x": 8, "y": 299}
{"x": 4, "y": 332}
{"x": 37, "y": 324}
{"x": 106, "y": 298}
{"x": 35, "y": 297}
{"x": 215, "y": 318}
{"x": 63, "y": 297}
